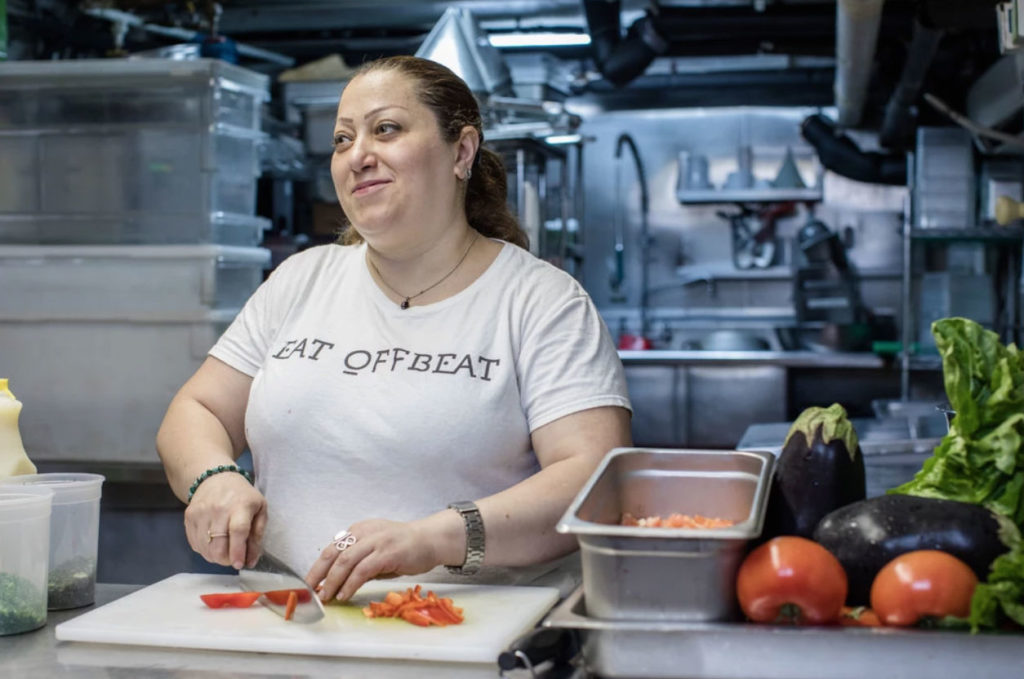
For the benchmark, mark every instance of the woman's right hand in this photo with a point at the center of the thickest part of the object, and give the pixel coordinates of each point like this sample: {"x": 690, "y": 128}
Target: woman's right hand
{"x": 225, "y": 520}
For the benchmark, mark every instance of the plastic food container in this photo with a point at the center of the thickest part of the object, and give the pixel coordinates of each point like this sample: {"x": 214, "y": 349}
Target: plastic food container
{"x": 24, "y": 556}
{"x": 74, "y": 535}
{"x": 644, "y": 573}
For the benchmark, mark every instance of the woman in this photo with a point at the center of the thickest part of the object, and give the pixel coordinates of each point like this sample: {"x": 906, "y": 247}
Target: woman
{"x": 426, "y": 361}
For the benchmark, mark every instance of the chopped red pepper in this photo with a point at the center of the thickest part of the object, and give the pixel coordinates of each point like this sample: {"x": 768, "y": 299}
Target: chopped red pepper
{"x": 414, "y": 608}
{"x": 281, "y": 596}
{"x": 230, "y": 599}
{"x": 293, "y": 600}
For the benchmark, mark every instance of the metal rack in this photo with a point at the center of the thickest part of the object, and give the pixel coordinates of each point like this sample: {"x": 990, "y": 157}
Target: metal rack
{"x": 545, "y": 183}
{"x": 990, "y": 236}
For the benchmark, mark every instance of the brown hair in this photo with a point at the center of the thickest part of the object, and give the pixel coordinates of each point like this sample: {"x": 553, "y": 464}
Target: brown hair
{"x": 454, "y": 107}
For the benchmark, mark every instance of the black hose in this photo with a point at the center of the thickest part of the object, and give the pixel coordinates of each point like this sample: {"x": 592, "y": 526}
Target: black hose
{"x": 621, "y": 60}
{"x": 841, "y": 155}
{"x": 898, "y": 124}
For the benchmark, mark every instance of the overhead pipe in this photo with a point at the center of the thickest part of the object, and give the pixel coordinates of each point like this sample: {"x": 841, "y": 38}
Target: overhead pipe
{"x": 898, "y": 124}
{"x": 841, "y": 154}
{"x": 857, "y": 23}
{"x": 619, "y": 59}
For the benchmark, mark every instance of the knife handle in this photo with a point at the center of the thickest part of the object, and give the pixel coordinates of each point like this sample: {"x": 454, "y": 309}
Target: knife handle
{"x": 537, "y": 646}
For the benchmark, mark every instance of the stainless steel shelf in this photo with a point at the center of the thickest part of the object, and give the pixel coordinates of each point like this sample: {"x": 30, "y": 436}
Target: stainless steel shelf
{"x": 769, "y": 195}
{"x": 979, "y": 234}
{"x": 699, "y": 650}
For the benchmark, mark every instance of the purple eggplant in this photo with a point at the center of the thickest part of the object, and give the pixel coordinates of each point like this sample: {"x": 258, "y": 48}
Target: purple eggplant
{"x": 820, "y": 468}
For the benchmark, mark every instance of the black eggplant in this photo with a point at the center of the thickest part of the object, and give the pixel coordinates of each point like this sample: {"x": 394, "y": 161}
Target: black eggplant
{"x": 820, "y": 468}
{"x": 867, "y": 535}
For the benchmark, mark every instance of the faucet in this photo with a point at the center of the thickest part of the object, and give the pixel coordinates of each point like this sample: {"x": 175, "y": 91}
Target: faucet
{"x": 626, "y": 140}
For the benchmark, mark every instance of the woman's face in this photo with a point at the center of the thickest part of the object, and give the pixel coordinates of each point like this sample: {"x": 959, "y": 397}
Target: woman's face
{"x": 394, "y": 174}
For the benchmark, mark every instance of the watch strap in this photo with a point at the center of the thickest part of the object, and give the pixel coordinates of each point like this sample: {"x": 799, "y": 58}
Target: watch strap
{"x": 474, "y": 538}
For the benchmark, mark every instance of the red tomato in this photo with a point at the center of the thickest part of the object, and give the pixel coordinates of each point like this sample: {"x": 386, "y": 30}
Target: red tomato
{"x": 793, "y": 580}
{"x": 230, "y": 599}
{"x": 922, "y": 584}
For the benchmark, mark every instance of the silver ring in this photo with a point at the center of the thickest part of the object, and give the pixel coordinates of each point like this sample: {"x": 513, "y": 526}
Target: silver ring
{"x": 343, "y": 540}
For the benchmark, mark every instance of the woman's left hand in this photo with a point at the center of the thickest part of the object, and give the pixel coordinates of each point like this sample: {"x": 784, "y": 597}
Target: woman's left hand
{"x": 381, "y": 549}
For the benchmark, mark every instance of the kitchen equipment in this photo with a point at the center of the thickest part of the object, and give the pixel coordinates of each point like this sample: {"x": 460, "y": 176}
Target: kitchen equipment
{"x": 753, "y": 238}
{"x": 88, "y": 281}
{"x": 169, "y": 613}
{"x": 1007, "y": 210}
{"x": 13, "y": 458}
{"x": 945, "y": 190}
{"x": 120, "y": 391}
{"x": 74, "y": 535}
{"x": 638, "y": 573}
{"x": 733, "y": 340}
{"x": 826, "y": 287}
{"x": 31, "y": 228}
{"x": 661, "y": 648}
{"x": 178, "y": 143}
{"x": 788, "y": 176}
{"x": 24, "y": 557}
{"x": 694, "y": 168}
{"x": 270, "y": 574}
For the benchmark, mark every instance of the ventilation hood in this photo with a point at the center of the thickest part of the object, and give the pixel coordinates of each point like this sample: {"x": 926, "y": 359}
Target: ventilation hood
{"x": 458, "y": 42}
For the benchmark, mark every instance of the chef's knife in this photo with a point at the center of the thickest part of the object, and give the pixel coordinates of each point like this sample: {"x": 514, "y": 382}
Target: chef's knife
{"x": 270, "y": 574}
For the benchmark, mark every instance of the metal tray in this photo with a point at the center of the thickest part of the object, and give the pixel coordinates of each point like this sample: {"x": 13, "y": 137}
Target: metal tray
{"x": 642, "y": 649}
{"x": 632, "y": 572}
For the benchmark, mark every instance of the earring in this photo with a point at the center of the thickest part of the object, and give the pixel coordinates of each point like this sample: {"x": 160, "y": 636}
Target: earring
{"x": 469, "y": 173}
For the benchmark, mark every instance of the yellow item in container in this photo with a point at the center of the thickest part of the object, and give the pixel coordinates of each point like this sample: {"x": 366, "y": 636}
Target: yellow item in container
{"x": 13, "y": 459}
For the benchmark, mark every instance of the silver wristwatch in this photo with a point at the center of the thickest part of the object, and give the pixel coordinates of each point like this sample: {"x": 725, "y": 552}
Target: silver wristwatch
{"x": 474, "y": 538}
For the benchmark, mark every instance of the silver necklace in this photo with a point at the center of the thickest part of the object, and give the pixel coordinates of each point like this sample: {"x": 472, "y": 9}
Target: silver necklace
{"x": 409, "y": 298}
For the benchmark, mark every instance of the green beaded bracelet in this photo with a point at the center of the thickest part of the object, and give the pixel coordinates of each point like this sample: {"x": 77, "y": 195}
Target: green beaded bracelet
{"x": 217, "y": 470}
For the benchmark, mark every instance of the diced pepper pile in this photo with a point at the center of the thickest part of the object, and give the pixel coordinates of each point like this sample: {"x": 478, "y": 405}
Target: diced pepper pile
{"x": 676, "y": 520}
{"x": 413, "y": 607}
{"x": 410, "y": 605}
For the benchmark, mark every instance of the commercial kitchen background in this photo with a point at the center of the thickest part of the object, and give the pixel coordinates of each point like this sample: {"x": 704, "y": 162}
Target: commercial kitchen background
{"x": 658, "y": 157}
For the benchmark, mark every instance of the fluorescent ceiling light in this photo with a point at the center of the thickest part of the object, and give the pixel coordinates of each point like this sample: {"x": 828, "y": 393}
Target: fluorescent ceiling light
{"x": 563, "y": 138}
{"x": 539, "y": 39}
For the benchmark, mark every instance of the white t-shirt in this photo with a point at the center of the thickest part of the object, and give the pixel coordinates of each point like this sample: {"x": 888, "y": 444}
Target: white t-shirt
{"x": 360, "y": 409}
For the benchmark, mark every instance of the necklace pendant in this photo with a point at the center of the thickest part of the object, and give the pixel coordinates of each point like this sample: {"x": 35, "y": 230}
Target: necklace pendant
{"x": 405, "y": 303}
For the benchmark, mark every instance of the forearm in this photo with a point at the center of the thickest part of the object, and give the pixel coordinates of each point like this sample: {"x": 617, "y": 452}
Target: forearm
{"x": 190, "y": 441}
{"x": 519, "y": 523}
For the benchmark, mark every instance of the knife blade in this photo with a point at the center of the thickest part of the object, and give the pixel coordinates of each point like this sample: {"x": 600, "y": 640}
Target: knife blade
{"x": 270, "y": 574}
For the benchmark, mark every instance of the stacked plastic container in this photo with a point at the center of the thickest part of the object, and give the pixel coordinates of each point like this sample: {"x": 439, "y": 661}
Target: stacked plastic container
{"x": 128, "y": 239}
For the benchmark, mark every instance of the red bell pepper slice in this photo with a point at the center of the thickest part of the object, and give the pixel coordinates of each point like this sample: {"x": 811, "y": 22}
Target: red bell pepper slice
{"x": 230, "y": 599}
{"x": 280, "y": 596}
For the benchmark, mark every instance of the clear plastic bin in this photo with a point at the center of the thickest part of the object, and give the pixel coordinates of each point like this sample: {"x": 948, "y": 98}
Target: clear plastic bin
{"x": 199, "y": 93}
{"x": 24, "y": 556}
{"x": 98, "y": 389}
{"x": 130, "y": 169}
{"x": 66, "y": 282}
{"x": 132, "y": 228}
{"x": 74, "y": 535}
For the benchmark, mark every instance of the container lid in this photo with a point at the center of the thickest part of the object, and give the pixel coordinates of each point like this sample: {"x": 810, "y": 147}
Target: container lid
{"x": 79, "y": 255}
{"x": 127, "y": 73}
{"x": 20, "y": 503}
{"x": 67, "y": 488}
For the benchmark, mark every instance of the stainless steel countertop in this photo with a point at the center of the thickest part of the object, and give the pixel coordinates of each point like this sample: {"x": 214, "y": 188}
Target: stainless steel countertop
{"x": 792, "y": 359}
{"x": 889, "y": 436}
{"x": 38, "y": 655}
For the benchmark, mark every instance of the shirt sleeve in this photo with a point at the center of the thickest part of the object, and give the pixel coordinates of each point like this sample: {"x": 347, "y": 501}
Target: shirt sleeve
{"x": 246, "y": 342}
{"x": 568, "y": 360}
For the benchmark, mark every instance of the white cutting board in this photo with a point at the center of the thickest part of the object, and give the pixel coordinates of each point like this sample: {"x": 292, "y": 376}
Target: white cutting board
{"x": 169, "y": 613}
